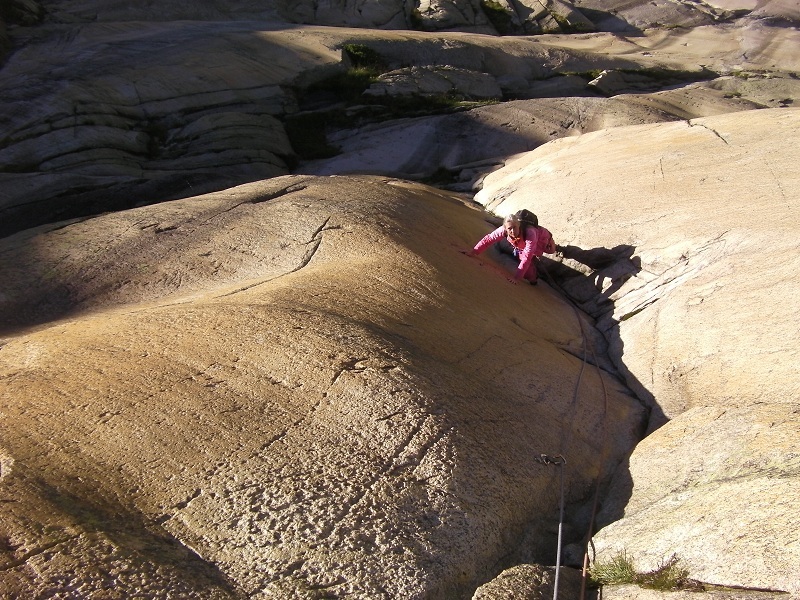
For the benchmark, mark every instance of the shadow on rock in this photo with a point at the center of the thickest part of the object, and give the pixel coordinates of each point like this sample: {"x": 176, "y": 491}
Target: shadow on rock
{"x": 591, "y": 280}
{"x": 115, "y": 541}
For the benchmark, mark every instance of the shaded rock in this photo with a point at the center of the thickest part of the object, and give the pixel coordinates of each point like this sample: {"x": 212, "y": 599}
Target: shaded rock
{"x": 22, "y": 12}
{"x": 436, "y": 81}
{"x": 110, "y": 120}
{"x": 554, "y": 87}
{"x": 117, "y": 131}
{"x": 471, "y": 144}
{"x": 132, "y": 119}
{"x": 514, "y": 16}
{"x": 699, "y": 320}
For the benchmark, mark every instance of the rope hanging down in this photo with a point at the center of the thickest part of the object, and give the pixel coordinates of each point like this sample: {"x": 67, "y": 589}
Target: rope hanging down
{"x": 595, "y": 501}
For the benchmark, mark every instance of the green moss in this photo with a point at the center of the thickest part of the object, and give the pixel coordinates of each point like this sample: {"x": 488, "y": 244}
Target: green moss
{"x": 498, "y": 16}
{"x": 366, "y": 66}
{"x": 364, "y": 57}
{"x": 415, "y": 19}
{"x": 348, "y": 86}
{"x": 440, "y": 177}
{"x": 568, "y": 26}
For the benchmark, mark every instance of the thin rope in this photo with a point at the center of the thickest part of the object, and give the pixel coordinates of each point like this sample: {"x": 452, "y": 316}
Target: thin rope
{"x": 595, "y": 500}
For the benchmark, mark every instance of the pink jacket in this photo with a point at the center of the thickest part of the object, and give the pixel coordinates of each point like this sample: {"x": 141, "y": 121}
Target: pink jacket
{"x": 537, "y": 241}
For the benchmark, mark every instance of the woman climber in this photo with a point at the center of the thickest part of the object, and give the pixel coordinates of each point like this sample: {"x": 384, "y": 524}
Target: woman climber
{"x": 528, "y": 241}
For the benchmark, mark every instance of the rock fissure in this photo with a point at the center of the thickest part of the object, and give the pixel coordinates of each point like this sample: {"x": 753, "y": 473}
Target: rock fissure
{"x": 711, "y": 129}
{"x": 34, "y": 552}
{"x": 590, "y": 361}
{"x": 349, "y": 366}
{"x": 311, "y": 249}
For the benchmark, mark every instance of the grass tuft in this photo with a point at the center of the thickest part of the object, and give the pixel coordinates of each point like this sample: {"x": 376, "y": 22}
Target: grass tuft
{"x": 668, "y": 576}
{"x": 618, "y": 570}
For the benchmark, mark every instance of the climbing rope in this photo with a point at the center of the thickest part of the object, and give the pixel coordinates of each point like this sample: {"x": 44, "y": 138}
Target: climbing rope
{"x": 545, "y": 460}
{"x": 595, "y": 500}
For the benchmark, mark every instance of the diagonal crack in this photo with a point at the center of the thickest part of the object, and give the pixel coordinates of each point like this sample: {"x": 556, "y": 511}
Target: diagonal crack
{"x": 276, "y": 194}
{"x": 711, "y": 129}
{"x": 18, "y": 562}
{"x": 311, "y": 249}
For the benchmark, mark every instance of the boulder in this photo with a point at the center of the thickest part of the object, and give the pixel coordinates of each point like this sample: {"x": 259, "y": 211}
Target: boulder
{"x": 698, "y": 318}
{"x": 637, "y": 16}
{"x": 436, "y": 81}
{"x": 531, "y": 582}
{"x": 295, "y": 385}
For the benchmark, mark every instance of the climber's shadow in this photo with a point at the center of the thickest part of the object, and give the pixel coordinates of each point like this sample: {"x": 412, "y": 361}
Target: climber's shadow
{"x": 592, "y": 279}
{"x": 588, "y": 273}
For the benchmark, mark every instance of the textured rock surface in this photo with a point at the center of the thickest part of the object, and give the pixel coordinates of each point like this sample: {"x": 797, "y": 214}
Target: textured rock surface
{"x": 472, "y": 143}
{"x": 144, "y": 109}
{"x": 384, "y": 14}
{"x": 531, "y": 582}
{"x": 430, "y": 81}
{"x": 699, "y": 228}
{"x": 114, "y": 122}
{"x": 306, "y": 375}
{"x": 247, "y": 378}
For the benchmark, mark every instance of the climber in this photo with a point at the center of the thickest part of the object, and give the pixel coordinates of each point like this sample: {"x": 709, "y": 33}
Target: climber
{"x": 527, "y": 239}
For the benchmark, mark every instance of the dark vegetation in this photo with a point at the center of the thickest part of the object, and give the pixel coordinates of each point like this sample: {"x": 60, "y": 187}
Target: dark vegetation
{"x": 338, "y": 102}
{"x": 498, "y": 17}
